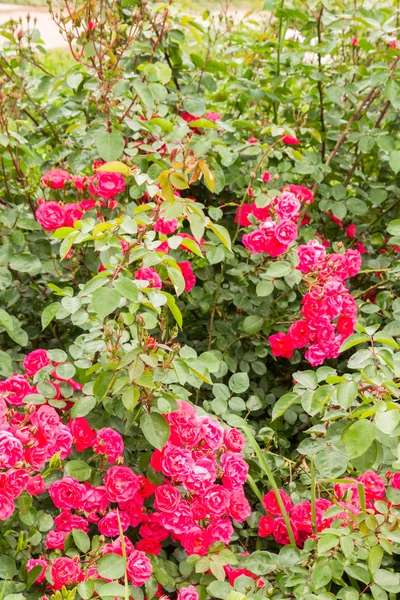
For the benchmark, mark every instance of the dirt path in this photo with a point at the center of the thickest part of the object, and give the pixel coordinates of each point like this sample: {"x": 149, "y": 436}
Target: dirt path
{"x": 49, "y": 30}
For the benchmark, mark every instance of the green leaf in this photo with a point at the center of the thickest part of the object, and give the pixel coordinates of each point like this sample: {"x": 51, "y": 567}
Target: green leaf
{"x": 144, "y": 94}
{"x": 25, "y": 263}
{"x": 194, "y": 106}
{"x": 326, "y": 542}
{"x": 82, "y": 540}
{"x": 78, "y": 469}
{"x": 105, "y": 301}
{"x": 353, "y": 340}
{"x": 359, "y": 437}
{"x": 346, "y": 393}
{"x": 33, "y": 574}
{"x": 219, "y": 589}
{"x": 111, "y": 566}
{"x": 387, "y": 421}
{"x": 278, "y": 269}
{"x": 155, "y": 428}
{"x": 222, "y": 234}
{"x": 83, "y": 407}
{"x": 331, "y": 462}
{"x": 127, "y": 288}
{"x": 110, "y": 146}
{"x": 394, "y": 161}
{"x": 113, "y": 590}
{"x": 264, "y": 288}
{"x": 239, "y": 383}
{"x": 261, "y": 562}
{"x": 49, "y": 313}
{"x": 102, "y": 384}
{"x": 394, "y": 227}
{"x": 86, "y": 589}
{"x": 283, "y": 404}
{"x": 171, "y": 303}
{"x": 307, "y": 379}
{"x": 115, "y": 166}
{"x": 252, "y": 324}
{"x": 130, "y": 398}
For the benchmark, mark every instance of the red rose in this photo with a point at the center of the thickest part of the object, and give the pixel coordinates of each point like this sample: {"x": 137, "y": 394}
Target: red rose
{"x": 72, "y": 213}
{"x": 36, "y": 360}
{"x": 281, "y": 344}
{"x": 271, "y": 505}
{"x": 83, "y": 435}
{"x": 290, "y": 140}
{"x": 107, "y": 185}
{"x": 265, "y": 526}
{"x": 50, "y": 215}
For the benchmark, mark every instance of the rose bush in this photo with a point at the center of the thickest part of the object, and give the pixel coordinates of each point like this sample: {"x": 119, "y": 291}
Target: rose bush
{"x": 199, "y": 320}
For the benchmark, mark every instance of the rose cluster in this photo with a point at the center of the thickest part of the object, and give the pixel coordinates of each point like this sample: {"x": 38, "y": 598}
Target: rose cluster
{"x": 278, "y": 229}
{"x": 203, "y": 490}
{"x": 329, "y": 311}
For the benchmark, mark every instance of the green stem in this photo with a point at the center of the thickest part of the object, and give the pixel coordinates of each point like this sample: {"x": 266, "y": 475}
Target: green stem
{"x": 313, "y": 505}
{"x": 361, "y": 495}
{"x": 265, "y": 467}
{"x": 254, "y": 487}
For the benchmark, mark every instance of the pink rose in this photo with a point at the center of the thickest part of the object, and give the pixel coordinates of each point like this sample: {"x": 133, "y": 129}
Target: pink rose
{"x": 255, "y": 241}
{"x": 36, "y": 562}
{"x": 138, "y": 568}
{"x": 212, "y": 432}
{"x": 353, "y": 261}
{"x": 299, "y": 334}
{"x": 36, "y": 360}
{"x": 242, "y": 213}
{"x": 216, "y": 500}
{"x": 239, "y": 508}
{"x": 107, "y": 185}
{"x": 220, "y": 530}
{"x": 177, "y": 463}
{"x": 109, "y": 525}
{"x": 302, "y": 193}
{"x": 266, "y": 176}
{"x": 213, "y": 116}
{"x": 109, "y": 442}
{"x": 66, "y": 571}
{"x": 288, "y": 206}
{"x": 67, "y": 493}
{"x": 66, "y": 521}
{"x": 375, "y": 488}
{"x": 166, "y": 227}
{"x": 345, "y": 325}
{"x": 116, "y": 547}
{"x": 286, "y": 232}
{"x": 46, "y": 419}
{"x": 15, "y": 388}
{"x": 235, "y": 470}
{"x": 150, "y": 275}
{"x": 149, "y": 546}
{"x": 82, "y": 434}
{"x": 281, "y": 345}
{"x": 36, "y": 485}
{"x": 289, "y": 140}
{"x": 121, "y": 484}
{"x": 315, "y": 355}
{"x": 56, "y": 178}
{"x": 55, "y": 540}
{"x": 7, "y": 506}
{"x": 311, "y": 255}
{"x": 14, "y": 481}
{"x": 50, "y": 215}
{"x": 188, "y": 593}
{"x": 196, "y": 542}
{"x": 395, "y": 481}
{"x": 167, "y": 498}
{"x": 234, "y": 439}
{"x": 271, "y": 505}
{"x": 188, "y": 275}
{"x": 180, "y": 521}
{"x": 72, "y": 213}
{"x": 11, "y": 450}
{"x": 153, "y": 528}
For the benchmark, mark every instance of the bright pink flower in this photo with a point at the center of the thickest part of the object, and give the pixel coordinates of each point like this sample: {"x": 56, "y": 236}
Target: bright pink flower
{"x": 239, "y": 508}
{"x": 345, "y": 325}
{"x": 80, "y": 183}
{"x": 83, "y": 435}
{"x": 67, "y": 493}
{"x": 261, "y": 214}
{"x": 287, "y": 206}
{"x": 220, "y": 530}
{"x": 149, "y": 546}
{"x": 235, "y": 470}
{"x": 56, "y": 178}
{"x": 212, "y": 432}
{"x": 373, "y": 484}
{"x": 150, "y": 275}
{"x": 354, "y": 261}
{"x": 50, "y": 215}
{"x": 196, "y": 542}
{"x": 216, "y": 500}
{"x": 281, "y": 345}
{"x": 112, "y": 521}
{"x": 188, "y": 275}
{"x": 252, "y": 140}
{"x": 55, "y": 540}
{"x": 36, "y": 485}
{"x": 167, "y": 498}
{"x": 361, "y": 248}
{"x": 15, "y": 388}
{"x": 109, "y": 442}
{"x": 286, "y": 232}
{"x": 177, "y": 463}
{"x": 255, "y": 241}
{"x": 299, "y": 334}
{"x": 188, "y": 593}
{"x": 266, "y": 176}
{"x": 72, "y": 213}
{"x": 213, "y": 116}
{"x": 302, "y": 193}
{"x": 36, "y": 360}
{"x": 234, "y": 439}
{"x": 138, "y": 568}
{"x": 290, "y": 140}
{"x": 166, "y": 227}
{"x": 351, "y": 231}
{"x": 66, "y": 571}
{"x": 66, "y": 521}
{"x": 315, "y": 355}
{"x": 11, "y": 450}
{"x": 86, "y": 205}
{"x": 7, "y": 506}
{"x": 271, "y": 503}
{"x": 242, "y": 213}
{"x": 107, "y": 185}
{"x": 395, "y": 481}
{"x": 36, "y": 562}
{"x": 275, "y": 248}
{"x": 354, "y": 41}
{"x": 265, "y": 526}
{"x": 311, "y": 255}
{"x": 121, "y": 484}
{"x": 116, "y": 547}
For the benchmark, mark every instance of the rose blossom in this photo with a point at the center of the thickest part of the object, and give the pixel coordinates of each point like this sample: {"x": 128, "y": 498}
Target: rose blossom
{"x": 150, "y": 275}
{"x": 188, "y": 275}
{"x": 242, "y": 213}
{"x": 83, "y": 435}
{"x": 299, "y": 334}
{"x": 212, "y": 432}
{"x": 72, "y": 213}
{"x": 281, "y": 344}
{"x": 265, "y": 526}
{"x": 373, "y": 484}
{"x": 315, "y": 355}
{"x": 239, "y": 508}
{"x": 107, "y": 185}
{"x": 167, "y": 498}
{"x": 36, "y": 360}
{"x": 138, "y": 568}
{"x": 286, "y": 231}
{"x": 255, "y": 241}
{"x": 50, "y": 215}
{"x": 166, "y": 227}
{"x": 288, "y": 206}
{"x": 234, "y": 439}
{"x": 235, "y": 470}
{"x": 149, "y": 546}
{"x": 216, "y": 500}
{"x": 197, "y": 541}
{"x": 11, "y": 450}
{"x": 55, "y": 540}
{"x": 15, "y": 388}
{"x": 110, "y": 524}
{"x": 7, "y": 506}
{"x": 290, "y": 140}
{"x": 67, "y": 493}
{"x": 65, "y": 571}
{"x": 36, "y": 562}
{"x": 271, "y": 505}
{"x": 36, "y": 485}
{"x": 56, "y": 178}
{"x": 109, "y": 442}
{"x": 220, "y": 530}
{"x": 188, "y": 593}
{"x": 121, "y": 484}
{"x": 280, "y": 532}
